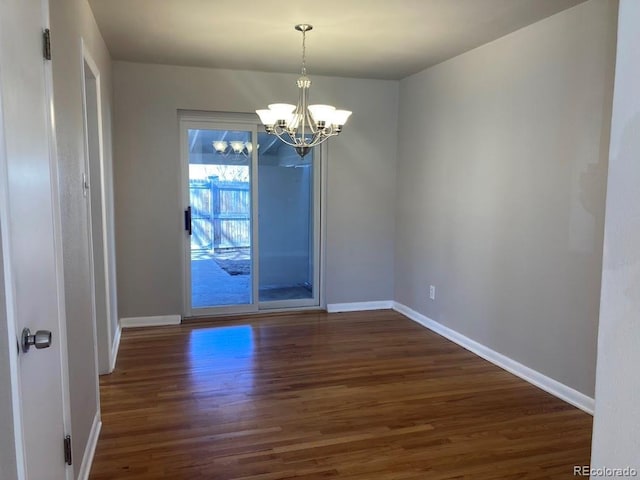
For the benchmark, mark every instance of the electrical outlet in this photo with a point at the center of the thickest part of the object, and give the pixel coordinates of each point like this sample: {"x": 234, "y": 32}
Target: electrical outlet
{"x": 432, "y": 292}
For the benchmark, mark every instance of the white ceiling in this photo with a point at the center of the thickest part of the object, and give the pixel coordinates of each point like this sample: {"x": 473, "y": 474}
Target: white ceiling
{"x": 387, "y": 39}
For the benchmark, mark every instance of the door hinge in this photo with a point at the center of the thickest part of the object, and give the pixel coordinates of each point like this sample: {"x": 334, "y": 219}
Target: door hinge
{"x": 46, "y": 44}
{"x": 67, "y": 450}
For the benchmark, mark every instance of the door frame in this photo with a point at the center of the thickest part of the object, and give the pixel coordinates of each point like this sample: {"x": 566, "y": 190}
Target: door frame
{"x": 250, "y": 121}
{"x": 102, "y": 345}
{"x": 218, "y": 121}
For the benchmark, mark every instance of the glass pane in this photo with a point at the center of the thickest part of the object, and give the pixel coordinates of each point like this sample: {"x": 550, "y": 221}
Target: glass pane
{"x": 220, "y": 199}
{"x": 285, "y": 223}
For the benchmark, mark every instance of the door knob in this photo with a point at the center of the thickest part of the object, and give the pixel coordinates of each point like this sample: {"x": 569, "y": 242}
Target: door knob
{"x": 42, "y": 339}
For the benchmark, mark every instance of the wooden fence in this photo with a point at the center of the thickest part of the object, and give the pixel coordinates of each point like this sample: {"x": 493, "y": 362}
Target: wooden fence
{"x": 220, "y": 213}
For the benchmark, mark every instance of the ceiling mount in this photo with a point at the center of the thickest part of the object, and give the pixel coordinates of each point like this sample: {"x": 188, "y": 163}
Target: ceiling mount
{"x": 304, "y": 27}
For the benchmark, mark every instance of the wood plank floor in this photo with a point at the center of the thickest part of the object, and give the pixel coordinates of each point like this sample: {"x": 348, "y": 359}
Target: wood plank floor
{"x": 366, "y": 395}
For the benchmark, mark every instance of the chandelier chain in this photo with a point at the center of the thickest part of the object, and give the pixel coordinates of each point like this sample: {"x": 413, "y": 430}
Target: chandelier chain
{"x": 304, "y": 52}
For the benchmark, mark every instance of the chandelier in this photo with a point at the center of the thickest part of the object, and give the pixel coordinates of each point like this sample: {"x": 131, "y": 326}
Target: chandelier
{"x": 303, "y": 126}
{"x": 223, "y": 147}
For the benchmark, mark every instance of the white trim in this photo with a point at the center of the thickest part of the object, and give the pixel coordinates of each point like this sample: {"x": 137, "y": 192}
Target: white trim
{"x": 322, "y": 266}
{"x": 157, "y": 321}
{"x": 101, "y": 184}
{"x": 86, "y": 58}
{"x": 115, "y": 347}
{"x": 90, "y": 448}
{"x": 549, "y": 385}
{"x": 185, "y": 200}
{"x": 359, "y": 306}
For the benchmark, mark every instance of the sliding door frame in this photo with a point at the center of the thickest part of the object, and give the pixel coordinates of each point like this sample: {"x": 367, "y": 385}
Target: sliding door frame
{"x": 219, "y": 121}
{"x": 249, "y": 122}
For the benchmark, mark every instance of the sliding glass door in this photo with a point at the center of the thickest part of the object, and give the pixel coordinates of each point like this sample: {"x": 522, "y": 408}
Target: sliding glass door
{"x": 288, "y": 226}
{"x": 252, "y": 219}
{"x": 219, "y": 220}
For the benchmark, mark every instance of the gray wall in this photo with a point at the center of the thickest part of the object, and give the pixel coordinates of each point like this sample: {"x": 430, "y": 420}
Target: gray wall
{"x": 72, "y": 20}
{"x": 616, "y": 437}
{"x": 502, "y": 162}
{"x": 361, "y": 177}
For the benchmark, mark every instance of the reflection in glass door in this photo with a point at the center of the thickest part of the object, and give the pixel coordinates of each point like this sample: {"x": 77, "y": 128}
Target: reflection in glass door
{"x": 288, "y": 226}
{"x": 220, "y": 256}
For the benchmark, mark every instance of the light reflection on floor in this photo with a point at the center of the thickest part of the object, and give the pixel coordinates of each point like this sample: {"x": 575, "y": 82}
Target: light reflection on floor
{"x": 221, "y": 360}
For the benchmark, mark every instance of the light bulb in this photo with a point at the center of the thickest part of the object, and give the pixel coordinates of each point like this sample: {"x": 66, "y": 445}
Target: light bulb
{"x": 237, "y": 146}
{"x": 220, "y": 146}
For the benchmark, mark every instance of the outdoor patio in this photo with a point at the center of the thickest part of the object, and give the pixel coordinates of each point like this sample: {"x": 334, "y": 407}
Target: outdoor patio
{"x": 225, "y": 279}
{"x": 213, "y": 285}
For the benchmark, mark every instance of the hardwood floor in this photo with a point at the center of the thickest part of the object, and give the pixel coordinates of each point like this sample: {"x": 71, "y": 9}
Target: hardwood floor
{"x": 366, "y": 395}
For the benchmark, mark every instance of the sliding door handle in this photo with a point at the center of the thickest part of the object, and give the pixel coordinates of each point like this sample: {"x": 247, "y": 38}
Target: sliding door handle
{"x": 187, "y": 220}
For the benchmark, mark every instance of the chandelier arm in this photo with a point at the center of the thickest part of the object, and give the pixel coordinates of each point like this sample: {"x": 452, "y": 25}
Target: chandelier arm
{"x": 312, "y": 129}
{"x": 280, "y": 134}
{"x": 292, "y": 135}
{"x": 304, "y": 111}
{"x": 319, "y": 136}
{"x": 322, "y": 140}
{"x": 294, "y": 138}
{"x": 329, "y": 132}
{"x": 317, "y": 139}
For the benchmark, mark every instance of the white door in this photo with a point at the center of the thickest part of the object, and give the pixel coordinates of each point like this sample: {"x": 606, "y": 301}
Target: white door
{"x": 29, "y": 214}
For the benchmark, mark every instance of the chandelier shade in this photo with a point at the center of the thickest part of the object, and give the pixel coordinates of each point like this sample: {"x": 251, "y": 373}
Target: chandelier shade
{"x": 223, "y": 147}
{"x": 303, "y": 126}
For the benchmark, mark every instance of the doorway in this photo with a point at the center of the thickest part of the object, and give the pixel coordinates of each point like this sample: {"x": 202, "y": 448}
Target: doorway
{"x": 95, "y": 191}
{"x": 252, "y": 218}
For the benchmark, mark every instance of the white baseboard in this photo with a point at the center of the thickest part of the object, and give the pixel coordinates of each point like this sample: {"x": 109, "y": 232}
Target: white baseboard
{"x": 359, "y": 306}
{"x": 158, "y": 321}
{"x": 115, "y": 347}
{"x": 560, "y": 390}
{"x": 90, "y": 449}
